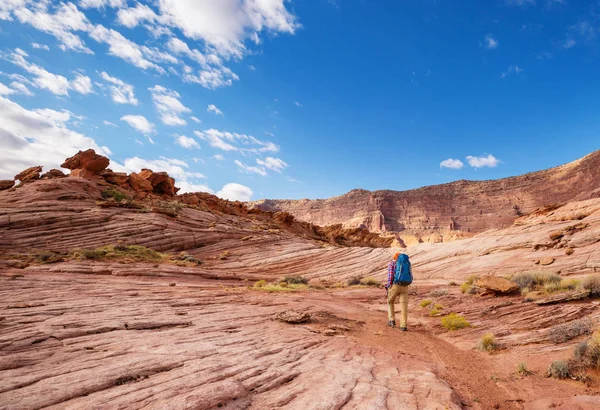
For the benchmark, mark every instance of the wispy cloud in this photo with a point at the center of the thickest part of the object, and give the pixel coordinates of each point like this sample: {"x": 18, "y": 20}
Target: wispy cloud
{"x": 513, "y": 69}
{"x": 121, "y": 92}
{"x": 213, "y": 108}
{"x": 187, "y": 142}
{"x": 168, "y": 105}
{"x": 490, "y": 42}
{"x": 231, "y": 141}
{"x": 195, "y": 119}
{"x": 274, "y": 164}
{"x": 40, "y": 46}
{"x": 251, "y": 169}
{"x": 110, "y": 124}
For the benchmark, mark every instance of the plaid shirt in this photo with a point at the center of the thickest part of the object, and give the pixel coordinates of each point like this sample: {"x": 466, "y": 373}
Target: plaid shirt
{"x": 391, "y": 271}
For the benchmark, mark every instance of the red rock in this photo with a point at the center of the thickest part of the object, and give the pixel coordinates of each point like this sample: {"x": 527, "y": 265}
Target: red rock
{"x": 497, "y": 284}
{"x": 53, "y": 173}
{"x": 88, "y": 160}
{"x": 6, "y": 184}
{"x": 82, "y": 173}
{"x": 138, "y": 183}
{"x": 161, "y": 182}
{"x": 30, "y": 174}
{"x": 115, "y": 178}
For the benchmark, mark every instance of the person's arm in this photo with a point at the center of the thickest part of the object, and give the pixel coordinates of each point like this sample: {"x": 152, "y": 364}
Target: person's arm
{"x": 391, "y": 272}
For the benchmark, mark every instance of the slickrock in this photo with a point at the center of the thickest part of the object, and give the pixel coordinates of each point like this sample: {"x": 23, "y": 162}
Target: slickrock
{"x": 6, "y": 184}
{"x": 30, "y": 174}
{"x": 88, "y": 160}
{"x": 564, "y": 297}
{"x": 453, "y": 210}
{"x": 497, "y": 284}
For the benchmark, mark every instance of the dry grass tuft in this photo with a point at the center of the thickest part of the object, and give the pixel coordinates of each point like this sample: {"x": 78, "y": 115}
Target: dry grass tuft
{"x": 454, "y": 322}
{"x": 487, "y": 343}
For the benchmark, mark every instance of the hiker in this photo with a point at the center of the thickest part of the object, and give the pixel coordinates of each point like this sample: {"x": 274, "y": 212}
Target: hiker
{"x": 399, "y": 277}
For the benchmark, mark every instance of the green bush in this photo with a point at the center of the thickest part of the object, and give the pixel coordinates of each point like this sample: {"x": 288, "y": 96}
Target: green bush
{"x": 454, "y": 322}
{"x": 115, "y": 194}
{"x": 565, "y": 332}
{"x": 132, "y": 252}
{"x": 295, "y": 280}
{"x": 559, "y": 369}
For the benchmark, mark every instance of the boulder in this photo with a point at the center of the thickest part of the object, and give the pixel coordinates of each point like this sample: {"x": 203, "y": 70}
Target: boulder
{"x": 546, "y": 261}
{"x": 161, "y": 182}
{"x": 496, "y": 284}
{"x": 88, "y": 160}
{"x": 53, "y": 174}
{"x": 564, "y": 297}
{"x": 6, "y": 184}
{"x": 138, "y": 183}
{"x": 115, "y": 178}
{"x": 30, "y": 174}
{"x": 293, "y": 316}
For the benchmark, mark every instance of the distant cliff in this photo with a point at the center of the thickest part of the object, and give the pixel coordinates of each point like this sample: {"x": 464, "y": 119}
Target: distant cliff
{"x": 447, "y": 211}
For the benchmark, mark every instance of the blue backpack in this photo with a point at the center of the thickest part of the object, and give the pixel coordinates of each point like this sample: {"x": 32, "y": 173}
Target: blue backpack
{"x": 403, "y": 275}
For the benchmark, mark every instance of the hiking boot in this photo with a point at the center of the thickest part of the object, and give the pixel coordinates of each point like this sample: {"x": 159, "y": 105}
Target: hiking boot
{"x": 404, "y": 329}
{"x": 391, "y": 323}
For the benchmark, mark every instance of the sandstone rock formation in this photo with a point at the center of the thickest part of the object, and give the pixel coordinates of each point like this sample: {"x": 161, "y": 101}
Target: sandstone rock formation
{"x": 453, "y": 210}
{"x": 6, "y": 184}
{"x": 88, "y": 160}
{"x": 30, "y": 174}
{"x": 497, "y": 284}
{"x": 53, "y": 173}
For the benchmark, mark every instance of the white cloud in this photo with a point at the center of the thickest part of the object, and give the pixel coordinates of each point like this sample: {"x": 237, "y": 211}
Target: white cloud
{"x": 40, "y": 46}
{"x": 168, "y": 106}
{"x": 297, "y": 104}
{"x": 252, "y": 68}
{"x": 569, "y": 43}
{"x": 4, "y": 90}
{"x": 121, "y": 92}
{"x": 56, "y": 117}
{"x": 246, "y": 143}
{"x": 82, "y": 84}
{"x": 235, "y": 192}
{"x": 141, "y": 124}
{"x": 274, "y": 164}
{"x": 96, "y": 4}
{"x": 451, "y": 163}
{"x": 513, "y": 69}
{"x": 187, "y": 142}
{"x": 110, "y": 124}
{"x": 56, "y": 84}
{"x": 218, "y": 157}
{"x": 213, "y": 108}
{"x": 131, "y": 17}
{"x": 226, "y": 25}
{"x": 33, "y": 138}
{"x": 195, "y": 119}
{"x": 248, "y": 168}
{"x": 480, "y": 162}
{"x": 490, "y": 42}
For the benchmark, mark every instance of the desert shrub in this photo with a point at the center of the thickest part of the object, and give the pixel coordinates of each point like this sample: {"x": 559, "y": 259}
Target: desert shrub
{"x": 276, "y": 287}
{"x": 438, "y": 306}
{"x": 434, "y": 312}
{"x": 316, "y": 287}
{"x": 525, "y": 291}
{"x": 261, "y": 283}
{"x": 186, "y": 257}
{"x": 522, "y": 369}
{"x": 559, "y": 369}
{"x": 130, "y": 252}
{"x": 339, "y": 285}
{"x": 592, "y": 283}
{"x": 425, "y": 303}
{"x": 529, "y": 279}
{"x": 114, "y": 194}
{"x": 370, "y": 282}
{"x": 438, "y": 292}
{"x": 283, "y": 284}
{"x": 454, "y": 322}
{"x": 570, "y": 284}
{"x": 295, "y": 280}
{"x": 587, "y": 354}
{"x": 224, "y": 255}
{"x": 354, "y": 280}
{"x": 487, "y": 343}
{"x": 452, "y": 283}
{"x": 92, "y": 253}
{"x": 562, "y": 333}
{"x": 466, "y": 287}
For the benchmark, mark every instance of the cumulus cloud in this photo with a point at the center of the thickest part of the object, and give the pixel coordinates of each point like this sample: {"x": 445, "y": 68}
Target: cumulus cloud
{"x": 82, "y": 84}
{"x": 121, "y": 92}
{"x": 168, "y": 105}
{"x": 187, "y": 142}
{"x": 231, "y": 141}
{"x": 490, "y": 42}
{"x": 274, "y": 164}
{"x": 483, "y": 161}
{"x": 451, "y": 163}
{"x": 251, "y": 169}
{"x": 141, "y": 124}
{"x": 235, "y": 192}
{"x": 213, "y": 108}
{"x": 36, "y": 138}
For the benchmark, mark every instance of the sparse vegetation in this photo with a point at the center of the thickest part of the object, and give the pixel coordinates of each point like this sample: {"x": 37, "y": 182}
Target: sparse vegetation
{"x": 185, "y": 259}
{"x": 354, "y": 280}
{"x": 434, "y": 312}
{"x": 115, "y": 194}
{"x": 559, "y": 369}
{"x": 452, "y": 283}
{"x": 438, "y": 292}
{"x": 592, "y": 283}
{"x": 565, "y": 332}
{"x": 128, "y": 252}
{"x": 586, "y": 354}
{"x": 522, "y": 370}
{"x": 454, "y": 322}
{"x": 224, "y": 255}
{"x": 276, "y": 287}
{"x": 531, "y": 279}
{"x": 295, "y": 280}
{"x": 468, "y": 287}
{"x": 438, "y": 306}
{"x": 370, "y": 282}
{"x": 425, "y": 302}
{"x": 261, "y": 283}
{"x": 487, "y": 343}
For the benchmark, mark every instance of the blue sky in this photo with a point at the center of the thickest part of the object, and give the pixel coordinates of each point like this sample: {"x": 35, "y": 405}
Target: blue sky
{"x": 308, "y": 98}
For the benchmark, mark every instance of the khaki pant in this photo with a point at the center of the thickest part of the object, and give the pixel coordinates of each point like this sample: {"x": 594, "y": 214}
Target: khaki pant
{"x": 402, "y": 293}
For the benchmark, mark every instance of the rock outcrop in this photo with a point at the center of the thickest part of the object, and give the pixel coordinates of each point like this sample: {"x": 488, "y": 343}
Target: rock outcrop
{"x": 496, "y": 284}
{"x": 6, "y": 184}
{"x": 30, "y": 174}
{"x": 451, "y": 211}
{"x": 53, "y": 173}
{"x": 87, "y": 160}
{"x": 161, "y": 182}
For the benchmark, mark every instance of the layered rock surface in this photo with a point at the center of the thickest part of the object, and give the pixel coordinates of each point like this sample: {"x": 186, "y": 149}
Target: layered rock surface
{"x": 450, "y": 211}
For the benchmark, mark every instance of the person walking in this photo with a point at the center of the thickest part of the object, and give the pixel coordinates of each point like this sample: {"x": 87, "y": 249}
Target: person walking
{"x": 398, "y": 279}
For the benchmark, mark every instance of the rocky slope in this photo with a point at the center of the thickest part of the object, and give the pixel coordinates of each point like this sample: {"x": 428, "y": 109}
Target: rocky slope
{"x": 455, "y": 210}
